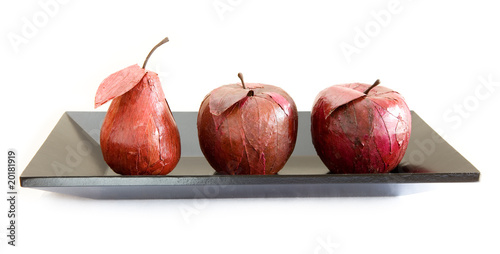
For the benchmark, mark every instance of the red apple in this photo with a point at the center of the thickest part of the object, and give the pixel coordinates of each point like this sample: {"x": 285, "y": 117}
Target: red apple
{"x": 358, "y": 128}
{"x": 247, "y": 128}
{"x": 139, "y": 135}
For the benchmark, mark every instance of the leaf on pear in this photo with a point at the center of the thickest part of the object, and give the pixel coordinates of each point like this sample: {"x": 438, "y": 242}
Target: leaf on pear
{"x": 338, "y": 95}
{"x": 118, "y": 83}
{"x": 224, "y": 97}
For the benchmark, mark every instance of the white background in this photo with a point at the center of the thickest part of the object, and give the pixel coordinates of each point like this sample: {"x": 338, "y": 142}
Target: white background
{"x": 435, "y": 53}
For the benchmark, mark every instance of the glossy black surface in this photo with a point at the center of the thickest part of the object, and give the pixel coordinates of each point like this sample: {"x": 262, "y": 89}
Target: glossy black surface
{"x": 70, "y": 162}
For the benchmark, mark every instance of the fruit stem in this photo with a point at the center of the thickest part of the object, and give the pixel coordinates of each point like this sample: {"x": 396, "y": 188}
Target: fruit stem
{"x": 152, "y": 50}
{"x": 241, "y": 78}
{"x": 372, "y": 86}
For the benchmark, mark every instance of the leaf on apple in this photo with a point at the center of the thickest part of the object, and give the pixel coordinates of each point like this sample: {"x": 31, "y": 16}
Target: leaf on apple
{"x": 258, "y": 124}
{"x": 398, "y": 124}
{"x": 224, "y": 97}
{"x": 340, "y": 96}
{"x": 282, "y": 101}
{"x": 254, "y": 85}
{"x": 118, "y": 83}
{"x": 262, "y": 164}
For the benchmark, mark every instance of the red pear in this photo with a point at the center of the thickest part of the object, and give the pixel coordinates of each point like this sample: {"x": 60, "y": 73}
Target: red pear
{"x": 139, "y": 135}
{"x": 358, "y": 128}
{"x": 247, "y": 129}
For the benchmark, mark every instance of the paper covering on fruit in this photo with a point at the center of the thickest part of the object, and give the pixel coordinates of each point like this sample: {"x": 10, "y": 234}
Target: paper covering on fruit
{"x": 355, "y": 132}
{"x": 139, "y": 135}
{"x": 247, "y": 131}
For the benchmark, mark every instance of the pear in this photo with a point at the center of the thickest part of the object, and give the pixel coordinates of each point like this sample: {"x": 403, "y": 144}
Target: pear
{"x": 139, "y": 135}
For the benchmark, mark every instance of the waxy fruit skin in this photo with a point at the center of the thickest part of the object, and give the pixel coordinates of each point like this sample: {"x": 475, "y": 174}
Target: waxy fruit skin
{"x": 139, "y": 135}
{"x": 248, "y": 131}
{"x": 357, "y": 133}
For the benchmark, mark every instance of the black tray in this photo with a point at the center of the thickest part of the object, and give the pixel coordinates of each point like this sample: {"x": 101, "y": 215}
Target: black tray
{"x": 70, "y": 162}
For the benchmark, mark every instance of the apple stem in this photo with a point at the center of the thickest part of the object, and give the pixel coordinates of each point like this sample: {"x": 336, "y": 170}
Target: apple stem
{"x": 241, "y": 78}
{"x": 372, "y": 86}
{"x": 152, "y": 50}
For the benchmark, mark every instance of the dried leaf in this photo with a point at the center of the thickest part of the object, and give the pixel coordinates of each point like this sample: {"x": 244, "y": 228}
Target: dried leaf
{"x": 282, "y": 101}
{"x": 224, "y": 97}
{"x": 254, "y": 85}
{"x": 338, "y": 95}
{"x": 259, "y": 122}
{"x": 118, "y": 83}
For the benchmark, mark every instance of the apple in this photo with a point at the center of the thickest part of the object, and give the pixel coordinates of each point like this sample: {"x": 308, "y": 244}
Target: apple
{"x": 358, "y": 128}
{"x": 247, "y": 129}
{"x": 139, "y": 135}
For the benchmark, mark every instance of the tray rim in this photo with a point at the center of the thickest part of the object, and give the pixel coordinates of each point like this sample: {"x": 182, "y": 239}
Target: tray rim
{"x": 30, "y": 181}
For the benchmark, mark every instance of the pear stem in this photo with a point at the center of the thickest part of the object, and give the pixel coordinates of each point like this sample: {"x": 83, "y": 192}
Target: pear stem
{"x": 152, "y": 50}
{"x": 372, "y": 86}
{"x": 241, "y": 78}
